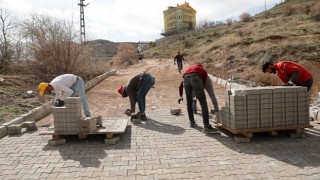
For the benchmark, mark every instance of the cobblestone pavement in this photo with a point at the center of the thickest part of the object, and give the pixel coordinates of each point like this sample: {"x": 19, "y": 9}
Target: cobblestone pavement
{"x": 163, "y": 147}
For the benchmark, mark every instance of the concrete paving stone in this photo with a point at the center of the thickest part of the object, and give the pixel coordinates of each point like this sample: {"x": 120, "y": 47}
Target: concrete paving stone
{"x": 166, "y": 149}
{"x": 67, "y": 175}
{"x": 83, "y": 174}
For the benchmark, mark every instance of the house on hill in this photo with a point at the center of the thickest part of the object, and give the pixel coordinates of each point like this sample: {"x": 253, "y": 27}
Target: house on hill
{"x": 144, "y": 45}
{"x": 179, "y": 19}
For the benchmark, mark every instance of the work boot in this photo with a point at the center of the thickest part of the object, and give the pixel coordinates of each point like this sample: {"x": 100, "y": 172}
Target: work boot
{"x": 209, "y": 128}
{"x": 193, "y": 124}
{"x": 142, "y": 117}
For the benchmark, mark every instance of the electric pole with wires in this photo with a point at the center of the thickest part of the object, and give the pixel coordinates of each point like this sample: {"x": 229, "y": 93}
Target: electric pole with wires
{"x": 82, "y": 24}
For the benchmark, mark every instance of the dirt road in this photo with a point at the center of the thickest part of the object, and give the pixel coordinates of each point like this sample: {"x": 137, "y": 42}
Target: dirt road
{"x": 104, "y": 99}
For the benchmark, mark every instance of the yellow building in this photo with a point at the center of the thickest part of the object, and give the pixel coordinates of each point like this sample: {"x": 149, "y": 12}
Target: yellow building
{"x": 179, "y": 19}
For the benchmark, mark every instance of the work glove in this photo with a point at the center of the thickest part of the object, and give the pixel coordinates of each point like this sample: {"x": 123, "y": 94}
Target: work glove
{"x": 58, "y": 103}
{"x": 180, "y": 99}
{"x": 128, "y": 112}
{"x": 290, "y": 83}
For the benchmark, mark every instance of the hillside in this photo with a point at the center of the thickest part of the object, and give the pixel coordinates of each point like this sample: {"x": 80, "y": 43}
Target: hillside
{"x": 102, "y": 48}
{"x": 289, "y": 31}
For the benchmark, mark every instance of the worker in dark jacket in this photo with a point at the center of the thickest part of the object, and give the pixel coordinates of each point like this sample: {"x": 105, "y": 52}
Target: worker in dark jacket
{"x": 290, "y": 73}
{"x": 179, "y": 58}
{"x": 194, "y": 79}
{"x": 137, "y": 89}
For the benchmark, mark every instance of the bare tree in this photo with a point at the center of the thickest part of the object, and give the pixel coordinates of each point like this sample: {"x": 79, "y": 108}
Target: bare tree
{"x": 52, "y": 45}
{"x": 7, "y": 44}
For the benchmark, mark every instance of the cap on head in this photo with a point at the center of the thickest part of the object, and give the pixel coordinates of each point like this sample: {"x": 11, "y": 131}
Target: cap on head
{"x": 120, "y": 91}
{"x": 265, "y": 66}
{"x": 42, "y": 87}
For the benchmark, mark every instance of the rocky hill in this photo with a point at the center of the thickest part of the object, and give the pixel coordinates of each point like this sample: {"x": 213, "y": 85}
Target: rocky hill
{"x": 288, "y": 31}
{"x": 102, "y": 48}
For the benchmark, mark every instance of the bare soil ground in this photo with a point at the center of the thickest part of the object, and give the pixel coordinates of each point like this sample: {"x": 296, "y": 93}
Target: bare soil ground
{"x": 164, "y": 95}
{"x": 14, "y": 99}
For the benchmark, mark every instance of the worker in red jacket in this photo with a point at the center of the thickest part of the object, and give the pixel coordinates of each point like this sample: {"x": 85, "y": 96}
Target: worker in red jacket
{"x": 194, "y": 79}
{"x": 290, "y": 73}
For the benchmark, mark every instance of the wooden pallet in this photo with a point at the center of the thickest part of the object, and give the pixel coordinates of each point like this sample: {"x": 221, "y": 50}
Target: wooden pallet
{"x": 109, "y": 127}
{"x": 248, "y": 133}
{"x": 273, "y": 130}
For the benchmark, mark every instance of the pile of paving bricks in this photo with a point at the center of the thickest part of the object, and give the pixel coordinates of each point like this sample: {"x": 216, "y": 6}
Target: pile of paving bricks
{"x": 266, "y": 107}
{"x": 68, "y": 119}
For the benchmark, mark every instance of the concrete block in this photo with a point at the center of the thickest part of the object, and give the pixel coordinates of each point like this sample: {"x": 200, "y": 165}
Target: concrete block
{"x": 14, "y": 129}
{"x": 265, "y": 90}
{"x": 253, "y": 125}
{"x": 112, "y": 141}
{"x": 291, "y": 123}
{"x": 266, "y": 96}
{"x": 56, "y": 142}
{"x": 214, "y": 79}
{"x": 284, "y": 89}
{"x": 266, "y": 125}
{"x": 279, "y": 123}
{"x": 3, "y": 131}
{"x": 72, "y": 100}
{"x": 314, "y": 113}
{"x": 301, "y": 89}
{"x": 223, "y": 82}
{"x": 266, "y": 119}
{"x": 265, "y": 105}
{"x": 99, "y": 121}
{"x": 241, "y": 86}
{"x": 228, "y": 85}
{"x": 30, "y": 116}
{"x": 30, "y": 126}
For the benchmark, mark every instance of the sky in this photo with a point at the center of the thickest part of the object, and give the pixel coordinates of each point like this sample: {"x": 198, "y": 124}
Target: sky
{"x": 130, "y": 20}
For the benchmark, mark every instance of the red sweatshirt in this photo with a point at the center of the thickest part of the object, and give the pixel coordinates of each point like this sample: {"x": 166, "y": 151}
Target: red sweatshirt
{"x": 197, "y": 69}
{"x": 286, "y": 68}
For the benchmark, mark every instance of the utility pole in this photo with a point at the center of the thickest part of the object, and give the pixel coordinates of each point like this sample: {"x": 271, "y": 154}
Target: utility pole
{"x": 82, "y": 24}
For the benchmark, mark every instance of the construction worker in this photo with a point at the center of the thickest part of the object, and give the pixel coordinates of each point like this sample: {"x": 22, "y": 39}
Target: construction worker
{"x": 194, "y": 79}
{"x": 137, "y": 88}
{"x": 179, "y": 58}
{"x": 290, "y": 73}
{"x": 66, "y": 85}
{"x": 209, "y": 88}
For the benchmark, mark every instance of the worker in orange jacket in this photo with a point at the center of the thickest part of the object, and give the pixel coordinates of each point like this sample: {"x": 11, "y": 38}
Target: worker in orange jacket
{"x": 290, "y": 73}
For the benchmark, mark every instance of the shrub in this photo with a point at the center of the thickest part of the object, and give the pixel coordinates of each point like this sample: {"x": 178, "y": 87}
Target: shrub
{"x": 315, "y": 8}
{"x": 245, "y": 17}
{"x": 126, "y": 55}
{"x": 267, "y": 79}
{"x": 229, "y": 21}
{"x": 288, "y": 10}
{"x": 316, "y": 17}
{"x": 188, "y": 44}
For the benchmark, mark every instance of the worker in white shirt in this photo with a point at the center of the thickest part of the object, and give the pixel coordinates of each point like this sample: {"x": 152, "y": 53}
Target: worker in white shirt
{"x": 66, "y": 85}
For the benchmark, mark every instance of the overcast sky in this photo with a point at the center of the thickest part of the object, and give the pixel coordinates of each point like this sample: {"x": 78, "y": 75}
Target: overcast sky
{"x": 130, "y": 20}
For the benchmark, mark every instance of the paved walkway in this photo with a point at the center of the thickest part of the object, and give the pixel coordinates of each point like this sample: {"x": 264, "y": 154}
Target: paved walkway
{"x": 164, "y": 147}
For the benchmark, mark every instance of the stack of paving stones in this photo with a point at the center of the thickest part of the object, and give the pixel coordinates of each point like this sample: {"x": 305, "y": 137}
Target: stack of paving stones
{"x": 266, "y": 107}
{"x": 68, "y": 119}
